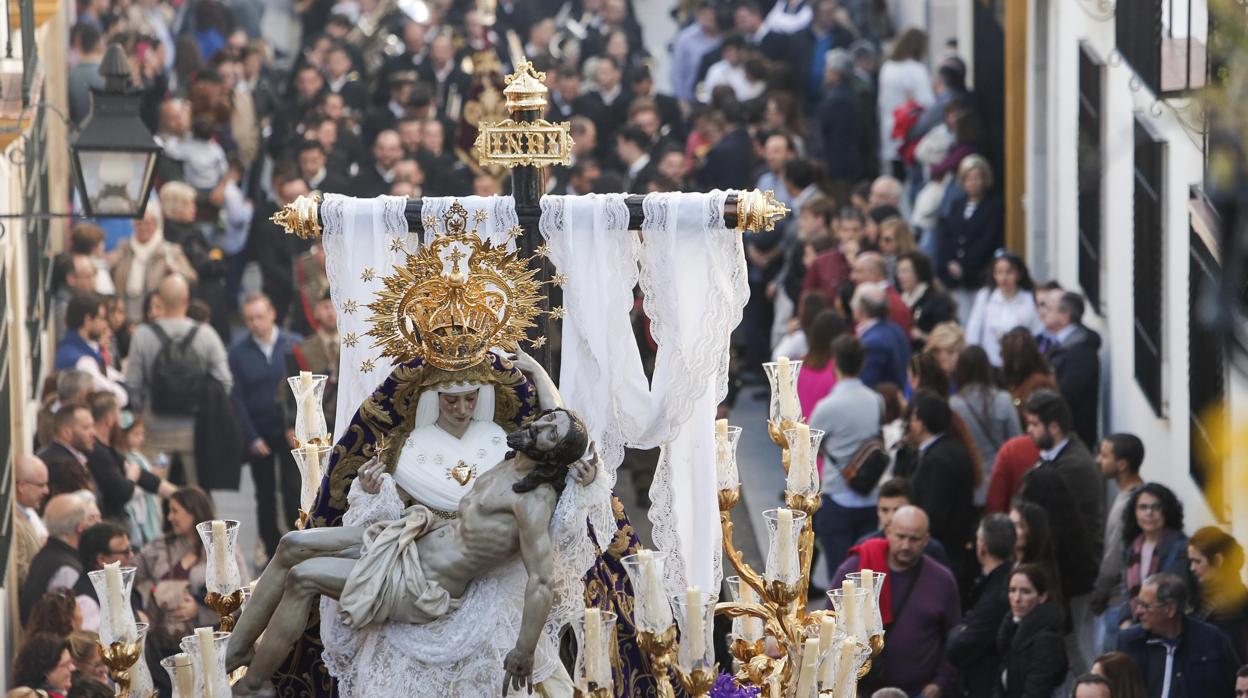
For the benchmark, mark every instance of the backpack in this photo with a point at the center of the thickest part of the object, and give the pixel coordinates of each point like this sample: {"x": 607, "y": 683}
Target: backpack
{"x": 866, "y": 466}
{"x": 178, "y": 374}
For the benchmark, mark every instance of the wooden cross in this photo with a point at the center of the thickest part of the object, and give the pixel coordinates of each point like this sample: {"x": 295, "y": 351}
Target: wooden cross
{"x": 528, "y": 144}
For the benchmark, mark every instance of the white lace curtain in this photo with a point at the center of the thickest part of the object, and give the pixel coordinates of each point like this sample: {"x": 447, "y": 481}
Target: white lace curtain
{"x": 691, "y": 269}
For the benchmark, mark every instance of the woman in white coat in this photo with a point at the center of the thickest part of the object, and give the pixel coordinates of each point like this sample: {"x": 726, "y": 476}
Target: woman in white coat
{"x": 903, "y": 76}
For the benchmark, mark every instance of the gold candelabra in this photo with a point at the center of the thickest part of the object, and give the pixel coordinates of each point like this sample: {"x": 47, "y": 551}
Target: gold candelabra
{"x": 120, "y": 657}
{"x": 224, "y": 605}
{"x": 662, "y": 649}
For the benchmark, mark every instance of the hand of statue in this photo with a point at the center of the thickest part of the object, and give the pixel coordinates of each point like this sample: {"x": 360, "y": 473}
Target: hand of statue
{"x": 526, "y": 363}
{"x": 370, "y": 475}
{"x": 519, "y": 668}
{"x": 584, "y": 471}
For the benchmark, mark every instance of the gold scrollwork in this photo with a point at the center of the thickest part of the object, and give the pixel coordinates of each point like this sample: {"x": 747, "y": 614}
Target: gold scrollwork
{"x": 516, "y": 143}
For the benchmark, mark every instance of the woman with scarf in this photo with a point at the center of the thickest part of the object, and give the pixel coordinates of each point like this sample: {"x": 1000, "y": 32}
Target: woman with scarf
{"x": 1153, "y": 541}
{"x": 144, "y": 260}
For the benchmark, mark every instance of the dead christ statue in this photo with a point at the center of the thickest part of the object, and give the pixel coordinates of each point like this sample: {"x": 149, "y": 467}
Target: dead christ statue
{"x": 415, "y": 569}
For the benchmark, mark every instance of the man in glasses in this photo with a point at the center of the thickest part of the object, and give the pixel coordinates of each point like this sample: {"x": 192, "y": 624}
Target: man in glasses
{"x": 29, "y": 533}
{"x": 1179, "y": 656}
{"x": 104, "y": 543}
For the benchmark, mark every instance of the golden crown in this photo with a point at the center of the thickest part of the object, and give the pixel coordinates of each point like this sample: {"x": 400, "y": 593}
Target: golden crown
{"x": 455, "y": 299}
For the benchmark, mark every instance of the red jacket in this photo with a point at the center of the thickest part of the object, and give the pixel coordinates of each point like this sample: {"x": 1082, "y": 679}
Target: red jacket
{"x": 826, "y": 274}
{"x": 1014, "y": 459}
{"x": 899, "y": 312}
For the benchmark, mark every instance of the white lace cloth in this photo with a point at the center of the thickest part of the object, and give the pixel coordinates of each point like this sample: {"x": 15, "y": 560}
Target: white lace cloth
{"x": 692, "y": 271}
{"x": 364, "y": 239}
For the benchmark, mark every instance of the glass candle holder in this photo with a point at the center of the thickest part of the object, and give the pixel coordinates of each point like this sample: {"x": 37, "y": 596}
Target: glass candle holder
{"x": 747, "y": 628}
{"x": 210, "y": 681}
{"x": 652, "y": 611}
{"x": 851, "y": 608}
{"x": 220, "y": 539}
{"x": 141, "y": 683}
{"x": 309, "y": 391}
{"x": 726, "y": 474}
{"x": 313, "y": 461}
{"x": 872, "y": 620}
{"x": 784, "y": 529}
{"x": 113, "y": 586}
{"x": 695, "y": 617}
{"x": 181, "y": 675}
{"x": 803, "y": 477}
{"x": 595, "y": 636}
{"x": 782, "y": 377}
{"x": 839, "y": 667}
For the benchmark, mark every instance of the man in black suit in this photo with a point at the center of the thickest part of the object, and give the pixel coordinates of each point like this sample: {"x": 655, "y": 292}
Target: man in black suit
{"x": 632, "y": 147}
{"x": 375, "y": 178}
{"x": 1072, "y": 350}
{"x": 270, "y": 247}
{"x": 313, "y": 167}
{"x": 407, "y": 99}
{"x": 415, "y": 53}
{"x": 442, "y": 73}
{"x": 606, "y": 105}
{"x": 116, "y": 477}
{"x": 341, "y": 77}
{"x": 567, "y": 89}
{"x": 1048, "y": 421}
{"x": 73, "y": 435}
{"x": 972, "y": 646}
{"x": 671, "y": 120}
{"x": 944, "y": 480}
{"x": 774, "y": 46}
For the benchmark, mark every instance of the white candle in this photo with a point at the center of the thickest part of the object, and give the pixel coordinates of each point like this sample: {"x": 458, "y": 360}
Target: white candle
{"x": 721, "y": 432}
{"x": 695, "y": 628}
{"x": 725, "y": 465}
{"x": 116, "y": 601}
{"x": 800, "y": 467}
{"x": 784, "y": 545}
{"x": 868, "y": 603}
{"x": 810, "y": 662}
{"x": 593, "y": 646}
{"x": 751, "y": 627}
{"x": 308, "y": 404}
{"x": 827, "y": 631}
{"x": 846, "y": 678}
{"x": 788, "y": 397}
{"x": 208, "y": 660}
{"x": 311, "y": 472}
{"x": 183, "y": 676}
{"x": 659, "y": 612}
{"x": 852, "y": 621}
{"x": 217, "y": 558}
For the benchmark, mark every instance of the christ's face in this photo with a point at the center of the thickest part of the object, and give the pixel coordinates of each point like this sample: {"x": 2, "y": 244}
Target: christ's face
{"x": 542, "y": 436}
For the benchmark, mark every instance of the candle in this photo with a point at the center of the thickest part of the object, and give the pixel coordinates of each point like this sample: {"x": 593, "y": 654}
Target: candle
{"x": 725, "y": 464}
{"x": 751, "y": 627}
{"x": 721, "y": 432}
{"x": 853, "y": 619}
{"x": 115, "y": 610}
{"x": 183, "y": 676}
{"x": 788, "y": 398}
{"x": 308, "y": 404}
{"x": 800, "y": 466}
{"x": 810, "y": 661}
{"x": 311, "y": 473}
{"x": 593, "y": 646}
{"x": 208, "y": 660}
{"x": 827, "y": 641}
{"x": 869, "y": 607}
{"x": 785, "y": 554}
{"x": 659, "y": 612}
{"x": 217, "y": 558}
{"x": 695, "y": 628}
{"x": 846, "y": 674}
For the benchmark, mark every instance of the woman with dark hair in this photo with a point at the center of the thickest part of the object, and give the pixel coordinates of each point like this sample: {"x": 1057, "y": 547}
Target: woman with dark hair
{"x": 925, "y": 373}
{"x": 927, "y": 300}
{"x": 987, "y": 410}
{"x": 56, "y": 613}
{"x": 1006, "y": 302}
{"x": 1216, "y": 560}
{"x": 1072, "y": 546}
{"x": 1152, "y": 541}
{"x": 43, "y": 663}
{"x": 818, "y": 372}
{"x": 1033, "y": 542}
{"x": 1033, "y": 653}
{"x": 171, "y": 571}
{"x": 1024, "y": 369}
{"x": 1122, "y": 673}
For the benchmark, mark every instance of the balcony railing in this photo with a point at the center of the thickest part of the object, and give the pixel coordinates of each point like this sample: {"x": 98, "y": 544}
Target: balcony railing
{"x": 1165, "y": 42}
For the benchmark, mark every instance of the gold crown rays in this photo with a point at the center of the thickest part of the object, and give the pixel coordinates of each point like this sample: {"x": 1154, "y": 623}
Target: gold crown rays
{"x": 455, "y": 298}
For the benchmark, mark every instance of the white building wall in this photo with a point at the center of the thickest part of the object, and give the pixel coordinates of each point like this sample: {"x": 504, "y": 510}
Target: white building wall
{"x": 1053, "y": 185}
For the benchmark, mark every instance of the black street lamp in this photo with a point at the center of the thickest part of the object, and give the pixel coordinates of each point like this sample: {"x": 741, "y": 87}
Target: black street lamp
{"x": 114, "y": 154}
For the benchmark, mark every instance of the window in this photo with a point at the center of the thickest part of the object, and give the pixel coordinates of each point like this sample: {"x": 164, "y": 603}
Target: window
{"x": 1090, "y": 175}
{"x": 1165, "y": 42}
{"x": 1206, "y": 359}
{"x": 1148, "y": 268}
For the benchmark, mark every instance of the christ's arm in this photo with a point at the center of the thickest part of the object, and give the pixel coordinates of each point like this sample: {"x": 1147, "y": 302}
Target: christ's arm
{"x": 533, "y": 513}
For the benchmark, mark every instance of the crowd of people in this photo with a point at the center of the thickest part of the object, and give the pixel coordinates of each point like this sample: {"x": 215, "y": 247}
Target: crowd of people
{"x": 960, "y": 398}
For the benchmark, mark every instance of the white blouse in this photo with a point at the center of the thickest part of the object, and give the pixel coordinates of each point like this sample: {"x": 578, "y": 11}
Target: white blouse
{"x": 993, "y": 315}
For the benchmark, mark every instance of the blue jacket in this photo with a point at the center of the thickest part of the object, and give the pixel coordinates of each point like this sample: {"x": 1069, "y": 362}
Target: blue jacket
{"x": 1204, "y": 661}
{"x": 72, "y": 348}
{"x": 887, "y": 352}
{"x": 260, "y": 385}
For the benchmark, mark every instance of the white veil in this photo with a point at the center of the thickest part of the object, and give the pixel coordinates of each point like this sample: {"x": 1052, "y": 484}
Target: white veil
{"x": 427, "y": 405}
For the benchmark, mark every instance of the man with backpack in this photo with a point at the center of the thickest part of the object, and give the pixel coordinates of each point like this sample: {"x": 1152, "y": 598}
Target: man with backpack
{"x": 172, "y": 360}
{"x": 853, "y": 455}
